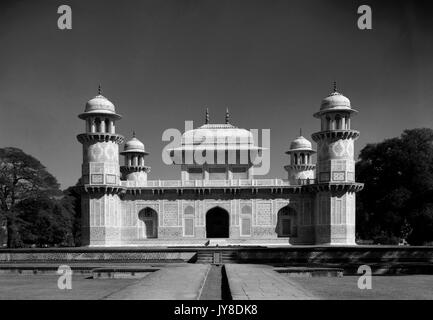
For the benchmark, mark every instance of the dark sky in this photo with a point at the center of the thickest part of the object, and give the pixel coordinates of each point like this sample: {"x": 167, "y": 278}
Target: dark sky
{"x": 161, "y": 62}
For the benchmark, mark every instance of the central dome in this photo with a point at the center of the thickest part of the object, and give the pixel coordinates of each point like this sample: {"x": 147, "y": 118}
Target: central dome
{"x": 217, "y": 137}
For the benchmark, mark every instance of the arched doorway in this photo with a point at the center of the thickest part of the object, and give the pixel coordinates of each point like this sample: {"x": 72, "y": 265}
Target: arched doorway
{"x": 287, "y": 224}
{"x": 217, "y": 223}
{"x": 148, "y": 228}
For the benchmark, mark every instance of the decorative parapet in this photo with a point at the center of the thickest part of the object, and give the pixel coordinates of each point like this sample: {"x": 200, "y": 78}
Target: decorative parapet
{"x": 206, "y": 186}
{"x": 216, "y": 183}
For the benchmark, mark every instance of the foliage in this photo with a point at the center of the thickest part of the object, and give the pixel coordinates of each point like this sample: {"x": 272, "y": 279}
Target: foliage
{"x": 31, "y": 204}
{"x": 44, "y": 222}
{"x": 72, "y": 203}
{"x": 397, "y": 200}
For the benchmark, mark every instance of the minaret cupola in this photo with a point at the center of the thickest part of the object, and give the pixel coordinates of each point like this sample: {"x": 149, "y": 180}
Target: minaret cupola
{"x": 301, "y": 167}
{"x": 100, "y": 115}
{"x": 135, "y": 169}
{"x": 335, "y": 111}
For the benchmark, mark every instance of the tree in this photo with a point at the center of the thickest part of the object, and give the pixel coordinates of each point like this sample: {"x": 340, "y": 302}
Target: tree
{"x": 21, "y": 177}
{"x": 45, "y": 222}
{"x": 397, "y": 199}
{"x": 72, "y": 203}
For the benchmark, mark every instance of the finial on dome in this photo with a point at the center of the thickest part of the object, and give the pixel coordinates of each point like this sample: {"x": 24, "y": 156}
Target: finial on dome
{"x": 227, "y": 116}
{"x": 300, "y": 132}
{"x": 133, "y": 133}
{"x": 206, "y": 121}
{"x": 99, "y": 90}
{"x": 335, "y": 86}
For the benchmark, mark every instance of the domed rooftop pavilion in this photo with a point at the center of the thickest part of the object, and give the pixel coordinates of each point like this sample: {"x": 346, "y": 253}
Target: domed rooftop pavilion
{"x": 217, "y": 137}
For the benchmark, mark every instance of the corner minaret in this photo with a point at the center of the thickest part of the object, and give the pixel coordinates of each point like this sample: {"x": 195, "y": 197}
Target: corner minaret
{"x": 301, "y": 167}
{"x": 100, "y": 180}
{"x": 135, "y": 171}
{"x": 335, "y": 172}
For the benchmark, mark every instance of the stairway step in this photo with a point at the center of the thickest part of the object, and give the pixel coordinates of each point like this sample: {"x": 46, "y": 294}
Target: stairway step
{"x": 208, "y": 256}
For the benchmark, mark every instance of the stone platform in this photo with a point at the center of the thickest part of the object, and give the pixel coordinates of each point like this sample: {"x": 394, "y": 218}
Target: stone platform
{"x": 381, "y": 258}
{"x": 259, "y": 282}
{"x": 121, "y": 272}
{"x": 310, "y": 271}
{"x": 90, "y": 254}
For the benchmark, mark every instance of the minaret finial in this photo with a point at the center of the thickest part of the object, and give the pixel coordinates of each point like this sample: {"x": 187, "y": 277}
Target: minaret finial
{"x": 335, "y": 86}
{"x": 99, "y": 90}
{"x": 227, "y": 116}
{"x": 133, "y": 133}
{"x": 206, "y": 121}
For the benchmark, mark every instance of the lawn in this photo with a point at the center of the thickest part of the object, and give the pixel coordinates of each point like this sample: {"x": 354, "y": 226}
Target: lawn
{"x": 23, "y": 287}
{"x": 383, "y": 287}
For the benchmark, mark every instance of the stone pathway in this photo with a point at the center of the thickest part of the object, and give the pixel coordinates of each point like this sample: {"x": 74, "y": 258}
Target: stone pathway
{"x": 261, "y": 282}
{"x": 182, "y": 282}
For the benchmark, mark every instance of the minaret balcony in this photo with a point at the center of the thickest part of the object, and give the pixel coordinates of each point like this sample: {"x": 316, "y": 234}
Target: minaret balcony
{"x": 100, "y": 137}
{"x": 100, "y": 189}
{"x": 300, "y": 167}
{"x": 130, "y": 169}
{"x": 335, "y": 134}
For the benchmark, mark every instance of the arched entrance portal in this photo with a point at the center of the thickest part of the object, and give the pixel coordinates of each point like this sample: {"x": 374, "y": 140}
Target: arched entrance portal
{"x": 287, "y": 225}
{"x": 217, "y": 223}
{"x": 148, "y": 228}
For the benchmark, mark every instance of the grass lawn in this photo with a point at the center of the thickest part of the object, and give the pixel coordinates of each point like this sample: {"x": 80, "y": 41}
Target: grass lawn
{"x": 383, "y": 287}
{"x": 23, "y": 287}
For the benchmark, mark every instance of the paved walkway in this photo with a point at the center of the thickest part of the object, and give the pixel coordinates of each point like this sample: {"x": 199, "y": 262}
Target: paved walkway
{"x": 183, "y": 282}
{"x": 261, "y": 282}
